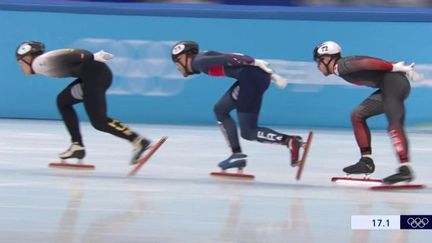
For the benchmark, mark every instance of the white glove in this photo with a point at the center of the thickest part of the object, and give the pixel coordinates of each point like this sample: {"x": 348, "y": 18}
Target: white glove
{"x": 408, "y": 70}
{"x": 402, "y": 67}
{"x": 102, "y": 56}
{"x": 414, "y": 76}
{"x": 279, "y": 81}
{"x": 263, "y": 65}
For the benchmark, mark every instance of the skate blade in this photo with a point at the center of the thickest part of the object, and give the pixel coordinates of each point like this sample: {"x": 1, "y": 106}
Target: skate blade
{"x": 384, "y": 187}
{"x": 302, "y": 161}
{"x": 356, "y": 181}
{"x": 72, "y": 166}
{"x": 233, "y": 175}
{"x": 148, "y": 154}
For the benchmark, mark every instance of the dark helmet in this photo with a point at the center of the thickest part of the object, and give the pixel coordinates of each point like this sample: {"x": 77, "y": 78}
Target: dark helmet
{"x": 189, "y": 47}
{"x": 29, "y": 48}
{"x": 328, "y": 48}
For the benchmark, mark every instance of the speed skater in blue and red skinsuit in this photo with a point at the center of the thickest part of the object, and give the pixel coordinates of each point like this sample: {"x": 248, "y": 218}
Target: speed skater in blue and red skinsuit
{"x": 392, "y": 88}
{"x": 245, "y": 96}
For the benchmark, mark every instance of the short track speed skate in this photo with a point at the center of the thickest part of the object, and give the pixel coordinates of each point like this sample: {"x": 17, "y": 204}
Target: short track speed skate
{"x": 75, "y": 151}
{"x": 147, "y": 155}
{"x": 305, "y": 146}
{"x": 399, "y": 181}
{"x": 366, "y": 167}
{"x": 235, "y": 161}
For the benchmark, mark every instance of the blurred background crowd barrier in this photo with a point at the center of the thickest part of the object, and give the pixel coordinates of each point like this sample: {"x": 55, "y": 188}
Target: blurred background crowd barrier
{"x": 340, "y": 3}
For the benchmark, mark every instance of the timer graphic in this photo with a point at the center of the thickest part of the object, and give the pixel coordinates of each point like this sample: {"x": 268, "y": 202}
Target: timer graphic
{"x": 391, "y": 222}
{"x": 375, "y": 222}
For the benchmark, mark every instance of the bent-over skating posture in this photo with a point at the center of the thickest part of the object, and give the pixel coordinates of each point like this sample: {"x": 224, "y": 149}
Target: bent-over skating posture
{"x": 393, "y": 87}
{"x": 93, "y": 78}
{"x": 253, "y": 77}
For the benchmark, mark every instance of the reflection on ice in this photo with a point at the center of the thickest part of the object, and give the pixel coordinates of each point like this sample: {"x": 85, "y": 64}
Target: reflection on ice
{"x": 174, "y": 199}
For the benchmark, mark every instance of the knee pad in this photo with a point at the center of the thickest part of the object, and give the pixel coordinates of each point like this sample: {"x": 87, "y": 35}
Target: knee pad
{"x": 77, "y": 92}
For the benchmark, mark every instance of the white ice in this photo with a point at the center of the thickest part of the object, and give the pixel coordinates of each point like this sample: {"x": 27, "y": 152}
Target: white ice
{"x": 174, "y": 199}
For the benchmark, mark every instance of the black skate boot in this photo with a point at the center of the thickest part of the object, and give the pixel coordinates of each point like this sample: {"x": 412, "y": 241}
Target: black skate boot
{"x": 140, "y": 145}
{"x": 364, "y": 166}
{"x": 75, "y": 151}
{"x": 404, "y": 174}
{"x": 237, "y": 160}
{"x": 294, "y": 144}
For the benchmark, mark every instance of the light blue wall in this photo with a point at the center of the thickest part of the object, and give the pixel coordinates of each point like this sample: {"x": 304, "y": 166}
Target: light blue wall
{"x": 147, "y": 87}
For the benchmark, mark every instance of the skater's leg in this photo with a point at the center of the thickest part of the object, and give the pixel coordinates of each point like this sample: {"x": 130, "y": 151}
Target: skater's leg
{"x": 396, "y": 89}
{"x": 226, "y": 123}
{"x": 70, "y": 96}
{"x": 250, "y": 131}
{"x": 372, "y": 106}
{"x": 236, "y": 97}
{"x": 253, "y": 85}
{"x": 97, "y": 78}
{"x": 228, "y": 127}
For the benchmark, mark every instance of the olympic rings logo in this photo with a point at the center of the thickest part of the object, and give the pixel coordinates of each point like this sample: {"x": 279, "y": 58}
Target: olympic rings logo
{"x": 417, "y": 222}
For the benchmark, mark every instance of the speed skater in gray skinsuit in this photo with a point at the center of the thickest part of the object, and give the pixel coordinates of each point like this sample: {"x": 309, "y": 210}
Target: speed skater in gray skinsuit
{"x": 92, "y": 80}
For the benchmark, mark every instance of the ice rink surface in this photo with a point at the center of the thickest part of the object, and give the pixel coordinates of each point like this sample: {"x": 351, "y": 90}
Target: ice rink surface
{"x": 173, "y": 198}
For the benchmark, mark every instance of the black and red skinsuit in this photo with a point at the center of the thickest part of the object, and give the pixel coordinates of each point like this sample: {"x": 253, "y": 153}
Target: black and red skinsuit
{"x": 392, "y": 90}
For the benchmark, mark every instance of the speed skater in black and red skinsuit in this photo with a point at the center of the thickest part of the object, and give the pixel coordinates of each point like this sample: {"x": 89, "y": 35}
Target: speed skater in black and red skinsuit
{"x": 392, "y": 88}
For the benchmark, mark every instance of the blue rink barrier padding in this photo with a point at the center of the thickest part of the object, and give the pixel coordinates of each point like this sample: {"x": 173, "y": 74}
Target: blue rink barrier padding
{"x": 147, "y": 87}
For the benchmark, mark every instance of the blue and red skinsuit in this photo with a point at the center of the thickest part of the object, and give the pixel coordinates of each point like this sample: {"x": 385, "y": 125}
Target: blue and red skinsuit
{"x": 245, "y": 96}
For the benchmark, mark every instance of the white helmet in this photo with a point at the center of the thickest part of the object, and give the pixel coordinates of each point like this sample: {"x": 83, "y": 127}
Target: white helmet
{"x": 330, "y": 48}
